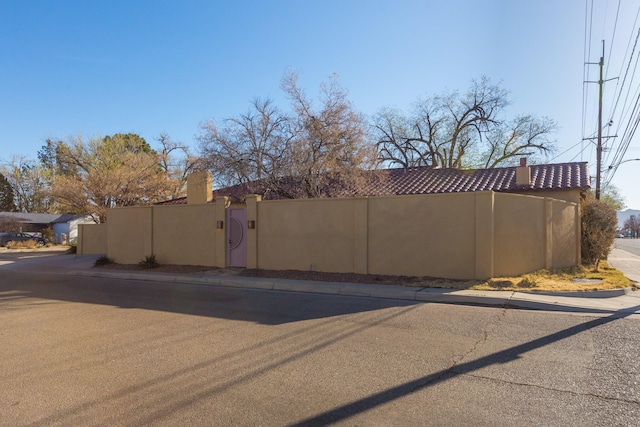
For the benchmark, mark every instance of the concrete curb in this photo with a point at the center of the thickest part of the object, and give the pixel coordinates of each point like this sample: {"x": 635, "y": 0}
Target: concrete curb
{"x": 570, "y": 301}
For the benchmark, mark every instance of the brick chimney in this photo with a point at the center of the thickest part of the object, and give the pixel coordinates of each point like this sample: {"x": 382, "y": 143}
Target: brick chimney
{"x": 523, "y": 174}
{"x": 199, "y": 188}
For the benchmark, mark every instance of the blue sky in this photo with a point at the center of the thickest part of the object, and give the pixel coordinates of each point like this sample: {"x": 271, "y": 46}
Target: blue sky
{"x": 146, "y": 67}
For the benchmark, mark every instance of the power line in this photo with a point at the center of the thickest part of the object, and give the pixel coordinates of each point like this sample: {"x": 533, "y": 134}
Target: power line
{"x": 613, "y": 37}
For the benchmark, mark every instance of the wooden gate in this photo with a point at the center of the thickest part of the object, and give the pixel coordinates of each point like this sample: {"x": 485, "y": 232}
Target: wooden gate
{"x": 237, "y": 237}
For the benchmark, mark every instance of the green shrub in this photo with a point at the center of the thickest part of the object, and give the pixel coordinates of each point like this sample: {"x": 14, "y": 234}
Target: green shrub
{"x": 599, "y": 223}
{"x": 149, "y": 261}
{"x": 47, "y": 234}
{"x": 103, "y": 260}
{"x": 73, "y": 248}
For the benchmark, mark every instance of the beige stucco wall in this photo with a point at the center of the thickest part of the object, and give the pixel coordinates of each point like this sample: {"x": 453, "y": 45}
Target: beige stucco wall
{"x": 565, "y": 232}
{"x": 572, "y": 195}
{"x": 459, "y": 236}
{"x": 185, "y": 235}
{"x": 182, "y": 234}
{"x": 92, "y": 239}
{"x": 532, "y": 233}
{"x": 129, "y": 237}
{"x": 430, "y": 235}
{"x": 519, "y": 234}
{"x": 310, "y": 234}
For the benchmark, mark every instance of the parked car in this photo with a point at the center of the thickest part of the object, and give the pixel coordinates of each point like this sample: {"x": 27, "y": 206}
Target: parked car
{"x": 5, "y": 238}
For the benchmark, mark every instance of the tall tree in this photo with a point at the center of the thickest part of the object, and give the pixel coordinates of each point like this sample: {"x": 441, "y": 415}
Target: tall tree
{"x": 632, "y": 226}
{"x": 295, "y": 155}
{"x": 611, "y": 196}
{"x": 331, "y": 142}
{"x": 30, "y": 185}
{"x": 460, "y": 131}
{"x": 6, "y": 195}
{"x": 177, "y": 162}
{"x": 108, "y": 172}
{"x": 256, "y": 145}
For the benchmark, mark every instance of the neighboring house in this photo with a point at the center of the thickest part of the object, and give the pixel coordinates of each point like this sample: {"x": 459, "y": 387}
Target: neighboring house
{"x": 562, "y": 181}
{"x": 64, "y": 226}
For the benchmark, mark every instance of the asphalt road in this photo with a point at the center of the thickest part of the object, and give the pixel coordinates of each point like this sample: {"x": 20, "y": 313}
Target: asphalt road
{"x": 87, "y": 351}
{"x": 629, "y": 245}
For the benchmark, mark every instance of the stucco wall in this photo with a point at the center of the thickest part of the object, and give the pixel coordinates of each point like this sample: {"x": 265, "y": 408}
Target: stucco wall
{"x": 129, "y": 237}
{"x": 459, "y": 236}
{"x": 92, "y": 239}
{"x": 422, "y": 235}
{"x": 183, "y": 234}
{"x": 312, "y": 234}
{"x": 533, "y": 233}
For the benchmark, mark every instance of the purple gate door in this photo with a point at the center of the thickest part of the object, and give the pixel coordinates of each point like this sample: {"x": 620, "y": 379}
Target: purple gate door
{"x": 237, "y": 237}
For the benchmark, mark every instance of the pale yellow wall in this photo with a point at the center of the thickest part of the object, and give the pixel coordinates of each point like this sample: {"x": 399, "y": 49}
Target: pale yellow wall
{"x": 532, "y": 233}
{"x": 431, "y": 235}
{"x": 566, "y": 195}
{"x": 178, "y": 234}
{"x": 310, "y": 234}
{"x": 565, "y": 235}
{"x": 519, "y": 234}
{"x": 459, "y": 236}
{"x": 92, "y": 239}
{"x": 186, "y": 234}
{"x": 199, "y": 188}
{"x": 129, "y": 237}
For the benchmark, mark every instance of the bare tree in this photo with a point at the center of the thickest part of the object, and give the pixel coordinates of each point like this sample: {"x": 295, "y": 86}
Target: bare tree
{"x": 460, "y": 131}
{"x": 294, "y": 155}
{"x": 177, "y": 162}
{"x": 254, "y": 146}
{"x": 632, "y": 226}
{"x": 30, "y": 185}
{"x": 331, "y": 144}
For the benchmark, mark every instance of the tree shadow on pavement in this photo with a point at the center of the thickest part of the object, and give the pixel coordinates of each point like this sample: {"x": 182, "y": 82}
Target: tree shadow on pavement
{"x": 505, "y": 356}
{"x": 253, "y": 305}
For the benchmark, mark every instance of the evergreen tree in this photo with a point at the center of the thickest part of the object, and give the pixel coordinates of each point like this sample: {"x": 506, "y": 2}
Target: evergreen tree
{"x": 6, "y": 196}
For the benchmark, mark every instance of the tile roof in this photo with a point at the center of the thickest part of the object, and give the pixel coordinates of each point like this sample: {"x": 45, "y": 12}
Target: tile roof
{"x": 422, "y": 180}
{"x": 428, "y": 180}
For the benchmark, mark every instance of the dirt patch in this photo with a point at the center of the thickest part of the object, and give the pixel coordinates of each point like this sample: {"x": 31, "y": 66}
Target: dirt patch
{"x": 177, "y": 269}
{"x": 539, "y": 281}
{"x": 422, "y": 282}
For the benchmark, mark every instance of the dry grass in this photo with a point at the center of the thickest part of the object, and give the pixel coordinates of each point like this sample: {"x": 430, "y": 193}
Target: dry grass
{"x": 25, "y": 244}
{"x": 542, "y": 281}
{"x": 560, "y": 280}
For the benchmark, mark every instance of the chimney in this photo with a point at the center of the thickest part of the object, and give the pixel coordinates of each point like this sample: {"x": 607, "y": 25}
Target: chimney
{"x": 523, "y": 174}
{"x": 199, "y": 188}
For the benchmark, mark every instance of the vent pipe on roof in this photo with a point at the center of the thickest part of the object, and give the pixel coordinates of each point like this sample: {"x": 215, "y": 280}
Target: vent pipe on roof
{"x": 523, "y": 174}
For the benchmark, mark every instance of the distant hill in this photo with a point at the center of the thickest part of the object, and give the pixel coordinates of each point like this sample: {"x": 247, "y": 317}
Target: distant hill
{"x": 624, "y": 215}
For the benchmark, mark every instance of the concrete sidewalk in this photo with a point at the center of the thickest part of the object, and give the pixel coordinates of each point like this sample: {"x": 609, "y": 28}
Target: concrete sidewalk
{"x": 604, "y": 302}
{"x": 626, "y": 262}
{"x": 623, "y": 301}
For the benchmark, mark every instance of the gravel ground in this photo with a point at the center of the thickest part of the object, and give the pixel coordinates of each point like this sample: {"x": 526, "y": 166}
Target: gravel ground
{"x": 298, "y": 275}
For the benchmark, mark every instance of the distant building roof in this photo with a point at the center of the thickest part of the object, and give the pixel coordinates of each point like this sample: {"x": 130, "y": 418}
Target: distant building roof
{"x": 38, "y": 218}
{"x": 428, "y": 180}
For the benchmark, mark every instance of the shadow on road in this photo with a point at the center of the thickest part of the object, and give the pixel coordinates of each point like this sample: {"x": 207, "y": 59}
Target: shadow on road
{"x": 229, "y": 303}
{"x": 505, "y": 356}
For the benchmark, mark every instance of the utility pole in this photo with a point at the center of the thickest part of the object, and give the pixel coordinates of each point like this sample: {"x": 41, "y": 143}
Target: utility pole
{"x": 599, "y": 147}
{"x": 601, "y": 83}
